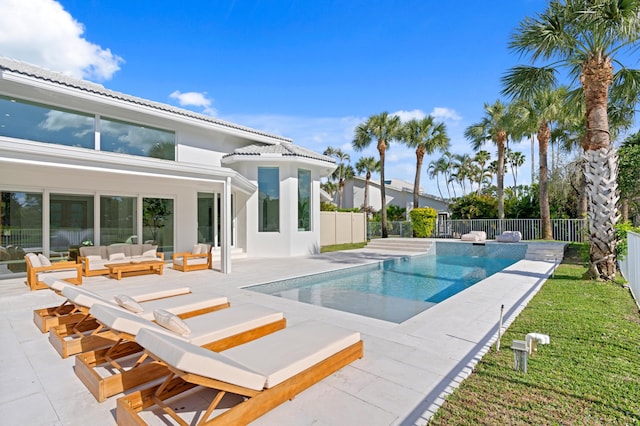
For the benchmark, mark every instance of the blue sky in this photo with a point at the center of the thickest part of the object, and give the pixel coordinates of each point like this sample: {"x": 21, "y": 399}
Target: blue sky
{"x": 307, "y": 70}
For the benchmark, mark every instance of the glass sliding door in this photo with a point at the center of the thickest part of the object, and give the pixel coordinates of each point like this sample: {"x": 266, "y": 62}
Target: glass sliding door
{"x": 20, "y": 229}
{"x": 70, "y": 223}
{"x": 157, "y": 221}
{"x": 118, "y": 220}
{"x": 218, "y": 220}
{"x": 205, "y": 218}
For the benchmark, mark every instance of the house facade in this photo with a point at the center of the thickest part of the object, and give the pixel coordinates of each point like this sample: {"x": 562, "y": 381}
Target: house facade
{"x": 398, "y": 193}
{"x": 84, "y": 165}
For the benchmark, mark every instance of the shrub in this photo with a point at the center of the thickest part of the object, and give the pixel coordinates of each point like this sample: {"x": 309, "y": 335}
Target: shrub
{"x": 423, "y": 220}
{"x": 621, "y": 234}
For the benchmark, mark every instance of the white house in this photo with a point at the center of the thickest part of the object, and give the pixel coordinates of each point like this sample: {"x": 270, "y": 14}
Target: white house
{"x": 80, "y": 163}
{"x": 398, "y": 193}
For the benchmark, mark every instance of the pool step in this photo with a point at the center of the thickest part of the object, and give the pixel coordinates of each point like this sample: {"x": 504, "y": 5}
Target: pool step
{"x": 418, "y": 245}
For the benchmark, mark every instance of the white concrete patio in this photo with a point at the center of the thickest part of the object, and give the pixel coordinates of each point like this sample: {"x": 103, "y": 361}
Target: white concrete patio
{"x": 406, "y": 370}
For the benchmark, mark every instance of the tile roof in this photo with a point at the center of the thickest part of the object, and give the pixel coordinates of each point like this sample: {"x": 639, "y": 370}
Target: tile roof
{"x": 87, "y": 86}
{"x": 285, "y": 150}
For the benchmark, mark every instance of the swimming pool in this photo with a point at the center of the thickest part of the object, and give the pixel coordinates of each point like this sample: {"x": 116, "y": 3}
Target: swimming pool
{"x": 397, "y": 289}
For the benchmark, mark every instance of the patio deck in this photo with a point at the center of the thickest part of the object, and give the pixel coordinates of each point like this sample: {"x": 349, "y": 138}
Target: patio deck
{"x": 406, "y": 370}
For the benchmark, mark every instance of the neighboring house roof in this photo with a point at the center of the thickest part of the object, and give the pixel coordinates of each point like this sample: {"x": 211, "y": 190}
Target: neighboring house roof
{"x": 397, "y": 185}
{"x": 23, "y": 68}
{"x": 283, "y": 150}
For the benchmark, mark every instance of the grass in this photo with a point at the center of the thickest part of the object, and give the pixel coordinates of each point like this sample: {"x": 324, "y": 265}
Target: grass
{"x": 340, "y": 247}
{"x": 589, "y": 374}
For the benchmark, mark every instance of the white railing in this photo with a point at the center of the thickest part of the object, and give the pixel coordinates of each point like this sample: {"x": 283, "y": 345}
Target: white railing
{"x": 572, "y": 230}
{"x": 630, "y": 266}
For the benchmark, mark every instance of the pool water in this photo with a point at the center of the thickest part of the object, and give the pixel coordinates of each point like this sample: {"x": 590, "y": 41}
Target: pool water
{"x": 394, "y": 290}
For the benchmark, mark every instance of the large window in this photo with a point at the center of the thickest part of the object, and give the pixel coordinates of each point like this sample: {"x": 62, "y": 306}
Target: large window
{"x": 25, "y": 120}
{"x": 43, "y": 123}
{"x": 70, "y": 222}
{"x": 20, "y": 229}
{"x": 118, "y": 220}
{"x": 205, "y": 217}
{"x": 126, "y": 138}
{"x": 304, "y": 200}
{"x": 269, "y": 199}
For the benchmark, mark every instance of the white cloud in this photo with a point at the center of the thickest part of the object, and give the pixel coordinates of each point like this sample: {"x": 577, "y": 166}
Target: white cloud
{"x": 196, "y": 99}
{"x": 445, "y": 114}
{"x": 41, "y": 32}
{"x": 409, "y": 115}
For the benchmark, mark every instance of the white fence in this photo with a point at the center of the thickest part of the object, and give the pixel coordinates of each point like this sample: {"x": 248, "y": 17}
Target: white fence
{"x": 630, "y": 266}
{"x": 572, "y": 230}
{"x": 342, "y": 228}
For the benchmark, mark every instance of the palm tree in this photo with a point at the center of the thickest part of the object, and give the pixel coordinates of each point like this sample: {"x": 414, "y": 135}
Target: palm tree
{"x": 434, "y": 170}
{"x": 544, "y": 107}
{"x": 367, "y": 165}
{"x": 426, "y": 136}
{"x": 445, "y": 166}
{"x": 463, "y": 170}
{"x": 384, "y": 128}
{"x": 495, "y": 126}
{"x": 342, "y": 170}
{"x": 585, "y": 37}
{"x": 482, "y": 160}
{"x": 515, "y": 159}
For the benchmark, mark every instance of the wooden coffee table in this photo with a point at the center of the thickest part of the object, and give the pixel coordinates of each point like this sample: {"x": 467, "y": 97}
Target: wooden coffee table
{"x": 131, "y": 269}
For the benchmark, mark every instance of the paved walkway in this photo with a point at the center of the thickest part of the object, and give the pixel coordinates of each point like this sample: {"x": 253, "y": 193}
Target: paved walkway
{"x": 406, "y": 370}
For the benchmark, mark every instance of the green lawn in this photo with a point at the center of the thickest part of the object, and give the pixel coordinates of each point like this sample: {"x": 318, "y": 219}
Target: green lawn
{"x": 589, "y": 374}
{"x": 341, "y": 247}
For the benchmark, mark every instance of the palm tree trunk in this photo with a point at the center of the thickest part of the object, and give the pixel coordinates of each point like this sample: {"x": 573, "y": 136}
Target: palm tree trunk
{"x": 366, "y": 193}
{"x": 500, "y": 142}
{"x": 382, "y": 146}
{"x": 416, "y": 182}
{"x": 624, "y": 209}
{"x": 601, "y": 170}
{"x": 544, "y": 134}
{"x": 340, "y": 191}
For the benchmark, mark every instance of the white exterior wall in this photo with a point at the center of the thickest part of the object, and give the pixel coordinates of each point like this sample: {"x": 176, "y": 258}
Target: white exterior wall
{"x": 288, "y": 241}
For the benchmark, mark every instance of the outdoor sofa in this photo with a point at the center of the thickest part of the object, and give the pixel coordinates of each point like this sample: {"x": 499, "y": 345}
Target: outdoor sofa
{"x": 39, "y": 268}
{"x": 94, "y": 258}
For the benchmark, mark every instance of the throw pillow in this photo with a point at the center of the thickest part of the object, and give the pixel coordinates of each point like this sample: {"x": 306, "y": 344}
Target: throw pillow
{"x": 33, "y": 258}
{"x": 149, "y": 253}
{"x": 116, "y": 256}
{"x": 44, "y": 260}
{"x": 128, "y": 303}
{"x": 171, "y": 322}
{"x": 94, "y": 259}
{"x": 195, "y": 249}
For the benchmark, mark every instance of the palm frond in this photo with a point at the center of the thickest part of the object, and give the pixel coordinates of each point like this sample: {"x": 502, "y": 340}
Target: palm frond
{"x": 524, "y": 81}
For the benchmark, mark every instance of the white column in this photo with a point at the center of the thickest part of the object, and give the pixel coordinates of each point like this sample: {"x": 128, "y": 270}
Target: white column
{"x": 225, "y": 249}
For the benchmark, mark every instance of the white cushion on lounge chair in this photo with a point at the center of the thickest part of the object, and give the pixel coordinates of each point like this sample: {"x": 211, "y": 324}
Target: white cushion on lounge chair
{"x": 183, "y": 303}
{"x": 205, "y": 328}
{"x": 161, "y": 294}
{"x": 258, "y": 364}
{"x": 176, "y": 305}
{"x": 194, "y": 359}
{"x": 55, "y": 284}
{"x": 286, "y": 353}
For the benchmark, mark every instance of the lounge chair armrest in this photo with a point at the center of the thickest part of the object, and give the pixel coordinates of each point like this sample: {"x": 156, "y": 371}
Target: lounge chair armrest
{"x": 56, "y": 267}
{"x": 188, "y": 255}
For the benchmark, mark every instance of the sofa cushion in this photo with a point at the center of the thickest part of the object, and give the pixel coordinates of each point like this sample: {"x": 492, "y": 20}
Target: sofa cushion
{"x": 116, "y": 248}
{"x": 128, "y": 303}
{"x": 90, "y": 251}
{"x": 136, "y": 250}
{"x": 94, "y": 258}
{"x": 149, "y": 253}
{"x": 171, "y": 322}
{"x": 195, "y": 249}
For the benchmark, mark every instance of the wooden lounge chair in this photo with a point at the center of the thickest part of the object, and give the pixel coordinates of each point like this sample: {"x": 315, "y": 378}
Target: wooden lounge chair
{"x": 198, "y": 258}
{"x": 71, "y": 339}
{"x": 123, "y": 365}
{"x": 40, "y": 267}
{"x": 69, "y": 313}
{"x": 266, "y": 372}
